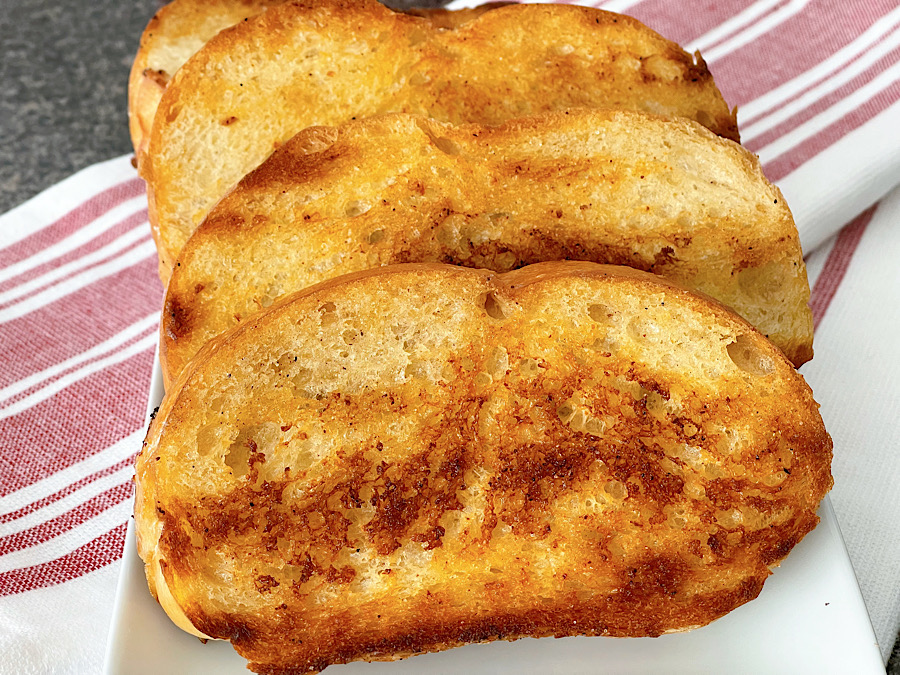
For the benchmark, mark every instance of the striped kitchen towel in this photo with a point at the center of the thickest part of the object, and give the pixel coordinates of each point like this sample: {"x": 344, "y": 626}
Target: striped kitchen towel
{"x": 817, "y": 85}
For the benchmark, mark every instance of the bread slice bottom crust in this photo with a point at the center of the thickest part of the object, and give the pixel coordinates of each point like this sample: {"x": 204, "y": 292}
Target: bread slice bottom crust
{"x": 422, "y": 456}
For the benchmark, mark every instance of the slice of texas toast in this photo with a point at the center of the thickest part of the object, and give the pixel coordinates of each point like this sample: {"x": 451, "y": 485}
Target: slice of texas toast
{"x": 298, "y": 64}
{"x": 414, "y": 457}
{"x": 618, "y": 187}
{"x": 179, "y": 29}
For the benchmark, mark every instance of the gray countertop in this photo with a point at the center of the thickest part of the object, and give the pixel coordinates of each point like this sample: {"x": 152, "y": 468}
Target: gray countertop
{"x": 64, "y": 69}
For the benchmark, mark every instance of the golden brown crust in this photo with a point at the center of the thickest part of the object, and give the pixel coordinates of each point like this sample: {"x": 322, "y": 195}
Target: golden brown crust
{"x": 182, "y": 27}
{"x": 419, "y": 456}
{"x": 229, "y": 107}
{"x": 618, "y": 187}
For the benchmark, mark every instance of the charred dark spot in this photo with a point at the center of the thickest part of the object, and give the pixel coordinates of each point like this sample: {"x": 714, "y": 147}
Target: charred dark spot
{"x": 655, "y": 576}
{"x": 340, "y": 576}
{"x": 432, "y": 538}
{"x": 411, "y": 501}
{"x": 177, "y": 317}
{"x": 393, "y": 516}
{"x": 639, "y": 467}
{"x": 663, "y": 258}
{"x": 265, "y": 583}
{"x": 305, "y": 566}
{"x": 724, "y": 493}
{"x": 174, "y": 543}
{"x": 532, "y": 476}
{"x": 224, "y": 627}
{"x": 782, "y": 546}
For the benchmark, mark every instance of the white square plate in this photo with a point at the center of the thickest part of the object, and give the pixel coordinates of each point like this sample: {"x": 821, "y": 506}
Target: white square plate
{"x": 809, "y": 618}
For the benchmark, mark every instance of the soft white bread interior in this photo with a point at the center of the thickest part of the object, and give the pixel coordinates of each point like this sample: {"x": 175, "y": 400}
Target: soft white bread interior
{"x": 256, "y": 84}
{"x": 619, "y": 187}
{"x": 415, "y": 457}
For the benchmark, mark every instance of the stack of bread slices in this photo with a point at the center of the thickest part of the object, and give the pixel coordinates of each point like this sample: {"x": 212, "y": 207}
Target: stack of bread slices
{"x": 478, "y": 325}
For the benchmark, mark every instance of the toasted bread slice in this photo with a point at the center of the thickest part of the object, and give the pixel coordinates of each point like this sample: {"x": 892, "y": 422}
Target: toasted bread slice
{"x": 178, "y": 30}
{"x": 172, "y": 36}
{"x": 253, "y": 86}
{"x": 414, "y": 457}
{"x": 608, "y": 186}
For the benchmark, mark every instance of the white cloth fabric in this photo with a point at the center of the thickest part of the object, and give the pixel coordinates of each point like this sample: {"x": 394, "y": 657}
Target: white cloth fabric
{"x": 855, "y": 377}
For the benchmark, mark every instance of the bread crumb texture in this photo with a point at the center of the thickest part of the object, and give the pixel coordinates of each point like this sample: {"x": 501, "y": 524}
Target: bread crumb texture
{"x": 301, "y": 64}
{"x": 422, "y": 456}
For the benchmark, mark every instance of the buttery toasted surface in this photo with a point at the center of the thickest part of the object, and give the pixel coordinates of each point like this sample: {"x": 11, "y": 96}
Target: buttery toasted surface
{"x": 179, "y": 29}
{"x": 172, "y": 36}
{"x": 414, "y": 457}
{"x": 253, "y": 86}
{"x": 619, "y": 187}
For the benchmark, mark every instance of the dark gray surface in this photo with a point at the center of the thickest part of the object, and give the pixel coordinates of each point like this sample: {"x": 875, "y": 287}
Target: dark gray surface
{"x": 64, "y": 71}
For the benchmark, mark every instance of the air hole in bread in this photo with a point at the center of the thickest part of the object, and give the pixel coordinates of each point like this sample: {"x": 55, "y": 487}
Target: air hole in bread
{"x": 207, "y": 439}
{"x": 448, "y": 372}
{"x": 375, "y": 236}
{"x": 601, "y": 313}
{"x": 237, "y": 457}
{"x": 493, "y": 308}
{"x": 594, "y": 426}
{"x": 483, "y": 380}
{"x": 446, "y": 145}
{"x": 656, "y": 404}
{"x": 327, "y": 314}
{"x": 605, "y": 345}
{"x": 565, "y": 412}
{"x": 415, "y": 369}
{"x": 529, "y": 367}
{"x": 356, "y": 208}
{"x": 616, "y": 489}
{"x": 748, "y": 357}
{"x": 677, "y": 522}
{"x": 497, "y": 363}
{"x": 729, "y": 519}
{"x": 301, "y": 378}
